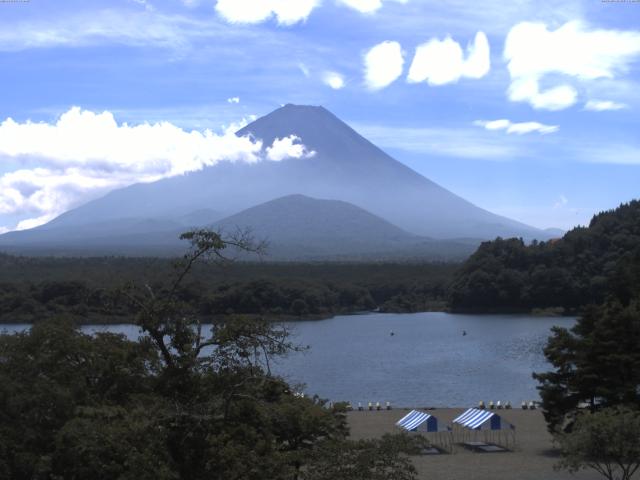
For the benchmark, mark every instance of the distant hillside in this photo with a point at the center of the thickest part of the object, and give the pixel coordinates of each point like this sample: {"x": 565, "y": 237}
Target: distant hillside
{"x": 303, "y": 228}
{"x": 295, "y": 227}
{"x": 585, "y": 266}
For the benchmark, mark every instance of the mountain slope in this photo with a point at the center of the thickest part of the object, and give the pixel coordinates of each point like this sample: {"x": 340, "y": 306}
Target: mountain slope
{"x": 299, "y": 227}
{"x": 295, "y": 227}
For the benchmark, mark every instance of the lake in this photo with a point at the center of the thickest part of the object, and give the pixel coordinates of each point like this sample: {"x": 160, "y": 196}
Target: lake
{"x": 426, "y": 362}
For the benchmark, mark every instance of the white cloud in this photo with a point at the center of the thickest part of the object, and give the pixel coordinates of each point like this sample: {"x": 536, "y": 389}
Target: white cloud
{"x": 383, "y": 64}
{"x": 602, "y": 105}
{"x": 84, "y": 154}
{"x": 287, "y": 12}
{"x": 81, "y": 138}
{"x": 288, "y": 147}
{"x": 439, "y": 62}
{"x": 333, "y": 80}
{"x": 304, "y": 69}
{"x": 518, "y": 128}
{"x": 450, "y": 142}
{"x": 561, "y": 202}
{"x": 533, "y": 52}
{"x": 617, "y": 154}
{"x": 366, "y": 6}
{"x": 233, "y": 100}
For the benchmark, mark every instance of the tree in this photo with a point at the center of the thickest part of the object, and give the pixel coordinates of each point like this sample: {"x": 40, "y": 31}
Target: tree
{"x": 596, "y": 362}
{"x": 607, "y": 441}
{"x": 379, "y": 459}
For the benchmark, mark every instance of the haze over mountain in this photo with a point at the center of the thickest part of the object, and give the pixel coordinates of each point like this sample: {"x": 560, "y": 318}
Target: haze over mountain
{"x": 303, "y": 228}
{"x": 345, "y": 167}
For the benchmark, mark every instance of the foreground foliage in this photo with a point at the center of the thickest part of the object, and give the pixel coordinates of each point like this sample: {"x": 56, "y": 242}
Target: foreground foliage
{"x": 179, "y": 403}
{"x": 607, "y": 441}
{"x": 596, "y": 363}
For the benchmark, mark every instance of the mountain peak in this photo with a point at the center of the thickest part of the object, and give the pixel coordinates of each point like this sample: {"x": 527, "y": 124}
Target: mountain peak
{"x": 317, "y": 128}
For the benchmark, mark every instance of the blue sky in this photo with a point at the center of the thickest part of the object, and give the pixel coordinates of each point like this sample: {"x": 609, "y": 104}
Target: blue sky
{"x": 526, "y": 108}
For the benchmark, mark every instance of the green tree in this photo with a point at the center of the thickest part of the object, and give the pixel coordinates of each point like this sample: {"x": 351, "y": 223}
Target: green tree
{"x": 597, "y": 362}
{"x": 386, "y": 458}
{"x": 607, "y": 441}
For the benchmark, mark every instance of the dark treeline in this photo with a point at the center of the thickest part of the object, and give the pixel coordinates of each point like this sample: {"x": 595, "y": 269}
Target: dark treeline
{"x": 90, "y": 289}
{"x": 586, "y": 266}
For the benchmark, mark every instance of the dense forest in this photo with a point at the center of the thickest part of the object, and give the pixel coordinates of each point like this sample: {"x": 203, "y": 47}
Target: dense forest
{"x": 90, "y": 289}
{"x": 585, "y": 267}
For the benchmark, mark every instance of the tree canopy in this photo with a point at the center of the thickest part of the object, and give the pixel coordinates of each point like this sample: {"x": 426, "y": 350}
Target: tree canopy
{"x": 585, "y": 266}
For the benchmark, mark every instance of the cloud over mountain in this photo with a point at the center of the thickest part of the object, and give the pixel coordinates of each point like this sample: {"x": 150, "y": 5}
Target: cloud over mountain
{"x": 84, "y": 154}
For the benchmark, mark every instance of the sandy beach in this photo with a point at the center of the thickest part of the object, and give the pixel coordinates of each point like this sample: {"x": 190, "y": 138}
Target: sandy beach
{"x": 532, "y": 458}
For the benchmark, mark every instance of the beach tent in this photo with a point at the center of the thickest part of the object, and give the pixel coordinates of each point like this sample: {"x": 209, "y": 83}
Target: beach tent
{"x": 422, "y": 422}
{"x": 493, "y": 427}
{"x": 416, "y": 421}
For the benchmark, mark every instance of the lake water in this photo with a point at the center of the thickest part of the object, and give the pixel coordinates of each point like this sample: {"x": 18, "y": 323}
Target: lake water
{"x": 427, "y": 362}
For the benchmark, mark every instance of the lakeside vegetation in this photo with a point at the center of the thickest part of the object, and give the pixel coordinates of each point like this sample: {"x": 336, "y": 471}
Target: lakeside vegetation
{"x": 90, "y": 289}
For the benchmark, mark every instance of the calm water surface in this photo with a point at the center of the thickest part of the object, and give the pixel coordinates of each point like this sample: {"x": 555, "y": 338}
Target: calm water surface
{"x": 427, "y": 362}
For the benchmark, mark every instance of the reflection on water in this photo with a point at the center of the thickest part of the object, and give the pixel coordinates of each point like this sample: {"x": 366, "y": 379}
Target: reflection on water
{"x": 426, "y": 362}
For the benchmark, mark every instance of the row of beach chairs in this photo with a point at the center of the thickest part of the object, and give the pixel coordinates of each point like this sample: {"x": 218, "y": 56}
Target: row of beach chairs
{"x": 506, "y": 405}
{"x": 371, "y": 406}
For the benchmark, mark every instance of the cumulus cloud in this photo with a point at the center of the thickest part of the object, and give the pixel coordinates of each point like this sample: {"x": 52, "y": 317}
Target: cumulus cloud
{"x": 286, "y": 12}
{"x": 84, "y": 154}
{"x": 533, "y": 52}
{"x": 365, "y": 6}
{"x": 383, "y": 64}
{"x": 288, "y": 147}
{"x": 233, "y": 100}
{"x": 439, "y": 62}
{"x": 602, "y": 105}
{"x": 517, "y": 128}
{"x": 333, "y": 80}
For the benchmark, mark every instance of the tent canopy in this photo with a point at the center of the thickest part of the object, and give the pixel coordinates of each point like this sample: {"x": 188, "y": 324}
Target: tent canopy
{"x": 477, "y": 419}
{"x": 416, "y": 420}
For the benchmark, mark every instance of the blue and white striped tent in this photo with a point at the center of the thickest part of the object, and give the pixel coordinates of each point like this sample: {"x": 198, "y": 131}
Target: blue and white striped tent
{"x": 416, "y": 421}
{"x": 476, "y": 419}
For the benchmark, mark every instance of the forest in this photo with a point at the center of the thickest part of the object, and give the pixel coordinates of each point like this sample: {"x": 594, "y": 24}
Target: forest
{"x": 586, "y": 266}
{"x": 90, "y": 289}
